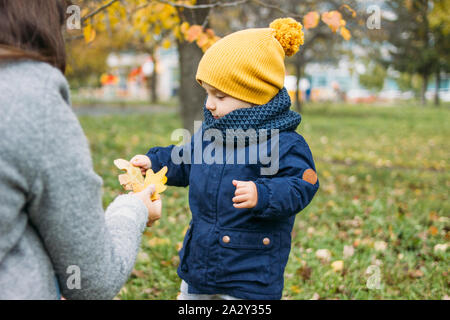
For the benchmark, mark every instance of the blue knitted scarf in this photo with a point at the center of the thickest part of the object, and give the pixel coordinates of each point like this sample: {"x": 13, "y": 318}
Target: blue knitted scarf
{"x": 275, "y": 114}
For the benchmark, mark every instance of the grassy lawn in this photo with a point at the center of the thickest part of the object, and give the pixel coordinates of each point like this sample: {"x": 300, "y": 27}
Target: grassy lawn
{"x": 383, "y": 202}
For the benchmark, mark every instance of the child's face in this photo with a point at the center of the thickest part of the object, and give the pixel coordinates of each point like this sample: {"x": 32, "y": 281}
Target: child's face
{"x": 220, "y": 104}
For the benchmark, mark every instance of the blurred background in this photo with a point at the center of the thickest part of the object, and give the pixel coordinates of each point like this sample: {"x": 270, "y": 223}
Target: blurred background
{"x": 372, "y": 82}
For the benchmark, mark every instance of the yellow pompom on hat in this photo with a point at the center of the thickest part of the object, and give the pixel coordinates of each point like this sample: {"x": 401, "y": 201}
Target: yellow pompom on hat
{"x": 249, "y": 64}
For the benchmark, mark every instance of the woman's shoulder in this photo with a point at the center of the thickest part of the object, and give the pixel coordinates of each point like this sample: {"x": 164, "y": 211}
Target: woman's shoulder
{"x": 31, "y": 80}
{"x": 34, "y": 103}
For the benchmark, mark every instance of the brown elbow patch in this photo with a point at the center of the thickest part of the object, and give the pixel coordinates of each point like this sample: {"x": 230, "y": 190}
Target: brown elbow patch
{"x": 309, "y": 175}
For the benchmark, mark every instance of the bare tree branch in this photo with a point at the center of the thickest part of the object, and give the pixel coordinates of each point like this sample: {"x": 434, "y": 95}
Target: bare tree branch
{"x": 271, "y": 6}
{"x": 73, "y": 38}
{"x": 98, "y": 10}
{"x": 204, "y": 6}
{"x": 230, "y": 4}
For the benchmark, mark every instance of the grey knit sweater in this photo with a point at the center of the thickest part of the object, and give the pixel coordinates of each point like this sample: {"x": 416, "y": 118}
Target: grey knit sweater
{"x": 52, "y": 223}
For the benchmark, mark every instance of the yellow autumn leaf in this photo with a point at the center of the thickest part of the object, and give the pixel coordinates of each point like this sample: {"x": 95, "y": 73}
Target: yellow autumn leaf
{"x": 166, "y": 44}
{"x": 337, "y": 266}
{"x": 157, "y": 29}
{"x": 89, "y": 33}
{"x": 159, "y": 179}
{"x": 184, "y": 28}
{"x": 345, "y": 33}
{"x": 296, "y": 289}
{"x": 433, "y": 230}
{"x": 193, "y": 33}
{"x": 332, "y": 19}
{"x": 133, "y": 180}
{"x": 144, "y": 27}
{"x": 311, "y": 20}
{"x": 155, "y": 241}
{"x": 353, "y": 12}
{"x": 202, "y": 39}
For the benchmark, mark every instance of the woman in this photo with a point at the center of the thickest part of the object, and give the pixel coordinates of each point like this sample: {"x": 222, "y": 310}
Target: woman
{"x": 54, "y": 235}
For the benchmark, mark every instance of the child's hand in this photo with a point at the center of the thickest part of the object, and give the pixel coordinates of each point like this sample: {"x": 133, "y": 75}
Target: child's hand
{"x": 246, "y": 194}
{"x": 141, "y": 161}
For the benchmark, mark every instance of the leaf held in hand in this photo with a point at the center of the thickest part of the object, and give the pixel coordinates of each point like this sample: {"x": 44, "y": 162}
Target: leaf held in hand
{"x": 159, "y": 179}
{"x": 133, "y": 180}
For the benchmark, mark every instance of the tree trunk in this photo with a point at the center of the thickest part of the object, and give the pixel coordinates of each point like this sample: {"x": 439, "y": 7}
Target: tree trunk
{"x": 298, "y": 75}
{"x": 192, "y": 95}
{"x": 438, "y": 84}
{"x": 154, "y": 81}
{"x": 424, "y": 89}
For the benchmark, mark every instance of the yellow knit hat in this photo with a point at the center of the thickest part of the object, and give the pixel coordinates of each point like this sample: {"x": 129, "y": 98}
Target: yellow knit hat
{"x": 249, "y": 64}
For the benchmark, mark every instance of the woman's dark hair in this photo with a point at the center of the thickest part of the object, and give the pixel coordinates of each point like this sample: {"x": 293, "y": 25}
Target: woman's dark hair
{"x": 33, "y": 30}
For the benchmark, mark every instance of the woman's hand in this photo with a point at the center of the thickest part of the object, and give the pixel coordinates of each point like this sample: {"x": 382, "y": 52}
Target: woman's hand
{"x": 246, "y": 194}
{"x": 154, "y": 207}
{"x": 141, "y": 161}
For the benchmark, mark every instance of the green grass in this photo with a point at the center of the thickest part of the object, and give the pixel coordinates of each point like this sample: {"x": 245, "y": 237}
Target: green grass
{"x": 78, "y": 101}
{"x": 384, "y": 176}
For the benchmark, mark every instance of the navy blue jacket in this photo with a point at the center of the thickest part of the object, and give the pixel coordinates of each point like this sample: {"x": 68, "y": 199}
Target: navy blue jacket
{"x": 239, "y": 252}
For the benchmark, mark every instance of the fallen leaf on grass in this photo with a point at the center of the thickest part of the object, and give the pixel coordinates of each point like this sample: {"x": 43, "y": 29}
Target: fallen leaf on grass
{"x": 415, "y": 273}
{"x": 433, "y": 216}
{"x": 165, "y": 263}
{"x": 143, "y": 257}
{"x": 155, "y": 241}
{"x": 295, "y": 289}
{"x": 304, "y": 272}
{"x": 138, "y": 273}
{"x": 323, "y": 254}
{"x": 315, "y": 296}
{"x": 310, "y": 231}
{"x": 337, "y": 266}
{"x": 440, "y": 247}
{"x": 380, "y": 246}
{"x": 433, "y": 230}
{"x": 348, "y": 251}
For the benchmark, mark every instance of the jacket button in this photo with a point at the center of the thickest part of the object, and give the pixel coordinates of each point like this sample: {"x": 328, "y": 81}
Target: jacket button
{"x": 266, "y": 241}
{"x": 226, "y": 239}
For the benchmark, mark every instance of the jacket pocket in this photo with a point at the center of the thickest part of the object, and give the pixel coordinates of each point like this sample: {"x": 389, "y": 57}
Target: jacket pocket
{"x": 247, "y": 256}
{"x": 185, "y": 250}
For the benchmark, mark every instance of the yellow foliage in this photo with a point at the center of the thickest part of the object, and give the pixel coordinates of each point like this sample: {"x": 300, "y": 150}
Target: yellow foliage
{"x": 89, "y": 33}
{"x": 345, "y": 33}
{"x": 204, "y": 38}
{"x": 349, "y": 9}
{"x": 311, "y": 20}
{"x": 193, "y": 32}
{"x": 153, "y": 17}
{"x": 184, "y": 27}
{"x": 166, "y": 44}
{"x": 157, "y": 29}
{"x": 332, "y": 19}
